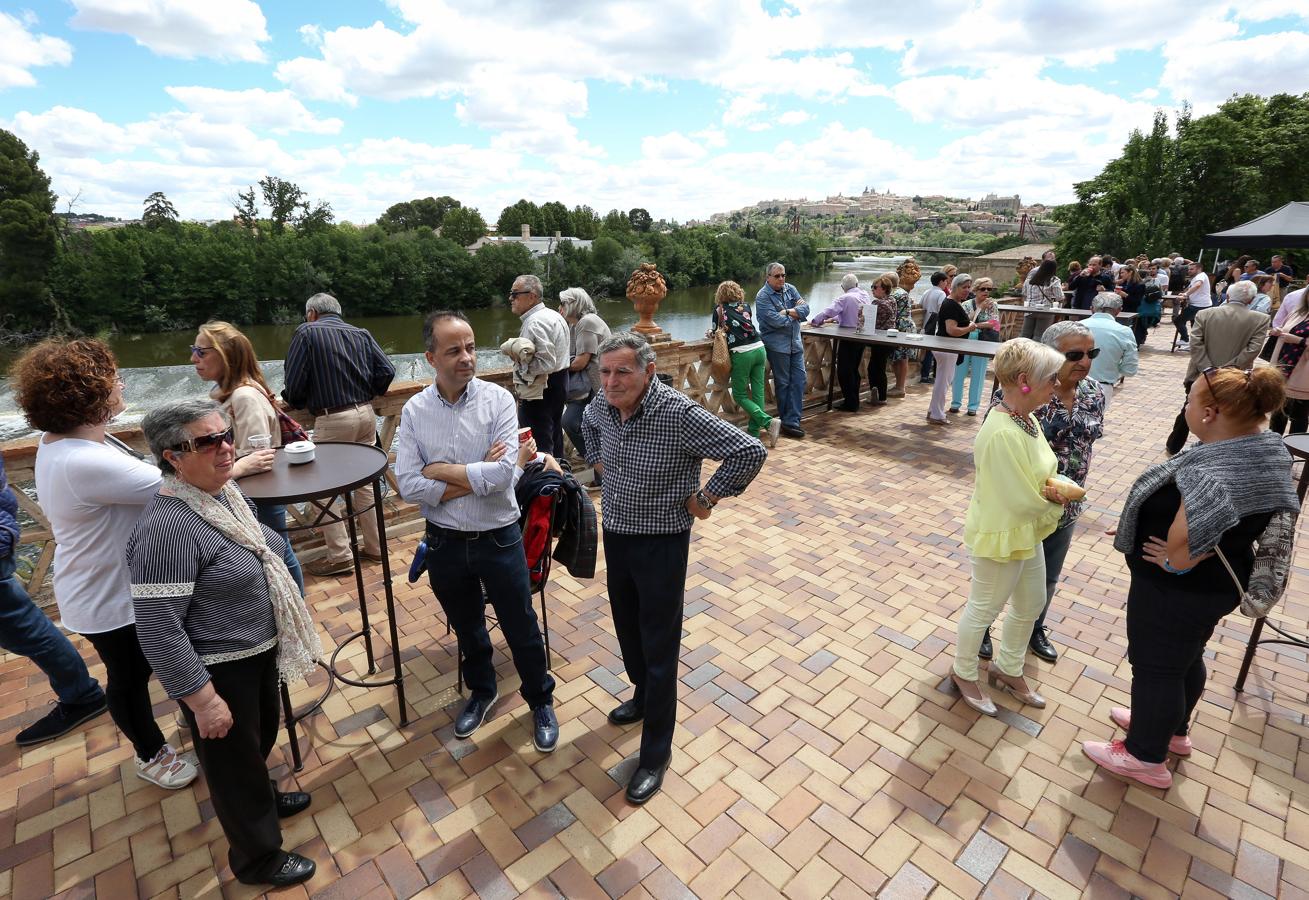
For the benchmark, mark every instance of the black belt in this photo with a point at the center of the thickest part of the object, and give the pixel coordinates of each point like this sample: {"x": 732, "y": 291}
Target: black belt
{"x": 337, "y": 409}
{"x": 457, "y": 535}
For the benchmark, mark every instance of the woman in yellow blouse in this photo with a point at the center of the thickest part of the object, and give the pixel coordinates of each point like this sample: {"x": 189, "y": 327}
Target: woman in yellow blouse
{"x": 1011, "y": 512}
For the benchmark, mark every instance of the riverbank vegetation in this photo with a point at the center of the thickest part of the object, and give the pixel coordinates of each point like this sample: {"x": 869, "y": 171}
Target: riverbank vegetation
{"x": 162, "y": 274}
{"x": 1172, "y": 186}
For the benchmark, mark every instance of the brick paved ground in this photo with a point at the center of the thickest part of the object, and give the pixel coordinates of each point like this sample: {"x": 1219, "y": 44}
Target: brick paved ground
{"x": 818, "y": 752}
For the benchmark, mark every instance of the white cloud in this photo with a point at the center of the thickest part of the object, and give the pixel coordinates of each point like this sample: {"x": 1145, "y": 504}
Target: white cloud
{"x": 219, "y": 29}
{"x": 67, "y": 131}
{"x": 24, "y": 50}
{"x": 277, "y": 111}
{"x": 1206, "y": 73}
{"x": 794, "y": 117}
{"x": 671, "y": 146}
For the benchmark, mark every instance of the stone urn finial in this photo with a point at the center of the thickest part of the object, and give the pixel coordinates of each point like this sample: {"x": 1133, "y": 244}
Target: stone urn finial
{"x": 909, "y": 273}
{"x": 1027, "y": 264}
{"x": 646, "y": 289}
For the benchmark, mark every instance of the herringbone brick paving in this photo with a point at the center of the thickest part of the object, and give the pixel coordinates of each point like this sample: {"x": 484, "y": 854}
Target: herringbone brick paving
{"x": 819, "y": 752}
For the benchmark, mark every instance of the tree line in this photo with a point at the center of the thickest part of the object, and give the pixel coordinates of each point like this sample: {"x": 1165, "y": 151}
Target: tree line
{"x": 280, "y": 247}
{"x": 1172, "y": 186}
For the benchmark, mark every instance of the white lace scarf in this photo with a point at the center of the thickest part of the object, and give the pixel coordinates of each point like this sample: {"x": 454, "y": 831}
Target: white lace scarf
{"x": 298, "y": 645}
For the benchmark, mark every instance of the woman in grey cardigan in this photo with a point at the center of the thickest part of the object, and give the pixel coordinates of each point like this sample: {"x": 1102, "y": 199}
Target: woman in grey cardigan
{"x": 1204, "y": 532}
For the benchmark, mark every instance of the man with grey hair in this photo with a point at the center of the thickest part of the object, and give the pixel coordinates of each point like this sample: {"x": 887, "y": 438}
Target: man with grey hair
{"x": 1227, "y": 335}
{"x": 780, "y": 311}
{"x": 334, "y": 370}
{"x": 548, "y": 332}
{"x": 847, "y": 312}
{"x": 1072, "y": 422}
{"x": 1115, "y": 345}
{"x": 648, "y": 440}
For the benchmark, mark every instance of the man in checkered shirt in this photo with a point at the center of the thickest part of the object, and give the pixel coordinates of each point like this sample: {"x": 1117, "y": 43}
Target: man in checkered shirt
{"x": 649, "y": 440}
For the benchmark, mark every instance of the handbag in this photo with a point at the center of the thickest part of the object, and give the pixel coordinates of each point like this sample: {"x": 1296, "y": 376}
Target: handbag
{"x": 578, "y": 386}
{"x": 292, "y": 430}
{"x": 720, "y": 359}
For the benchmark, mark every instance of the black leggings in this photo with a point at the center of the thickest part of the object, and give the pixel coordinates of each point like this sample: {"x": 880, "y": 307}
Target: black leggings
{"x": 1295, "y": 412}
{"x": 128, "y": 689}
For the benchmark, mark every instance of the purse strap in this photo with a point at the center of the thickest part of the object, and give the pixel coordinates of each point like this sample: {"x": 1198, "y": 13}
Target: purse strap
{"x": 1240, "y": 590}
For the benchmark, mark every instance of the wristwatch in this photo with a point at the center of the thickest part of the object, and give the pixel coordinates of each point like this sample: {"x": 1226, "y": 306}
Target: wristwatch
{"x": 703, "y": 499}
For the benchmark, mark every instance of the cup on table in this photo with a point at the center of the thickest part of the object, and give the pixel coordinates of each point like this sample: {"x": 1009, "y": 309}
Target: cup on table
{"x": 259, "y": 441}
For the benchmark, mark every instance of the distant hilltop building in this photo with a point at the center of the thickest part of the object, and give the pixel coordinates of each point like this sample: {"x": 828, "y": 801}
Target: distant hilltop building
{"x": 536, "y": 245}
{"x": 1004, "y": 206}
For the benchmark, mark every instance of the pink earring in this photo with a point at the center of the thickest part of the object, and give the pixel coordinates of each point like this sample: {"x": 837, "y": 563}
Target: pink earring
{"x": 1025, "y": 389}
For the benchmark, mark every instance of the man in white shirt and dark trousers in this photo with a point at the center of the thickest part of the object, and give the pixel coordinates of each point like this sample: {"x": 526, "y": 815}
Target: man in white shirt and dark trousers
{"x": 456, "y": 454}
{"x": 548, "y": 332}
{"x": 931, "y": 303}
{"x": 649, "y": 441}
{"x": 1199, "y": 295}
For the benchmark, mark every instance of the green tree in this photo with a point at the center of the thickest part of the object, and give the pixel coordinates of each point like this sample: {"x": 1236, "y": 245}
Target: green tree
{"x": 513, "y": 218}
{"x": 586, "y": 224}
{"x": 28, "y": 239}
{"x": 556, "y": 217}
{"x": 283, "y": 199}
{"x": 425, "y": 212}
{"x": 639, "y": 219}
{"x": 616, "y": 222}
{"x": 463, "y": 225}
{"x": 315, "y": 217}
{"x": 247, "y": 209}
{"x": 158, "y": 212}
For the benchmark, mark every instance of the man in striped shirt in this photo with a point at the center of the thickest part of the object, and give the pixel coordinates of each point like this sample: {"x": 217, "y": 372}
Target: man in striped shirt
{"x": 456, "y": 454}
{"x": 334, "y": 370}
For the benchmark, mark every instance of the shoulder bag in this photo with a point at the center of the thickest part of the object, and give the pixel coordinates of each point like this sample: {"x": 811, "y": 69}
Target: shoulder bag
{"x": 292, "y": 430}
{"x": 720, "y": 359}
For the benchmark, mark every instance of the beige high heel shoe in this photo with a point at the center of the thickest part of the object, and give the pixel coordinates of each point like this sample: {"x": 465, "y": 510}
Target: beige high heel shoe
{"x": 1029, "y": 697}
{"x": 985, "y": 706}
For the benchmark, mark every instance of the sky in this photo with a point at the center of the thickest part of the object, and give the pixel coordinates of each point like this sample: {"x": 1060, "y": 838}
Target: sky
{"x": 682, "y": 107}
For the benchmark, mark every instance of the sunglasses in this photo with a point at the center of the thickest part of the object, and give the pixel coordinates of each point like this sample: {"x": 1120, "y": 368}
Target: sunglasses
{"x": 206, "y": 442}
{"x": 520, "y": 293}
{"x": 1214, "y": 370}
{"x": 1076, "y": 355}
{"x": 200, "y": 351}
{"x": 984, "y": 290}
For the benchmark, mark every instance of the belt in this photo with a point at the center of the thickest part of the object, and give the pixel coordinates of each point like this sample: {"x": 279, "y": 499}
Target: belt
{"x": 336, "y": 409}
{"x": 455, "y": 534}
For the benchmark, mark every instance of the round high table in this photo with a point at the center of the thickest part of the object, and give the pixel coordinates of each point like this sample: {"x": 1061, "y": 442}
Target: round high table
{"x": 1298, "y": 446}
{"x": 337, "y": 470}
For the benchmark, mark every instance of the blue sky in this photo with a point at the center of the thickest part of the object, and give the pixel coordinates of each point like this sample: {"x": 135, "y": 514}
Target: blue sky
{"x": 684, "y": 107}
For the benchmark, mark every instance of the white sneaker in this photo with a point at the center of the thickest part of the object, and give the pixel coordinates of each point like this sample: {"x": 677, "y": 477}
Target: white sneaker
{"x": 774, "y": 428}
{"x": 1183, "y": 345}
{"x": 167, "y": 769}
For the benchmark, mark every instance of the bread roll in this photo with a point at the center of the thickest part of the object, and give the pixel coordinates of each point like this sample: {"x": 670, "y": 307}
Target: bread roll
{"x": 1069, "y": 490}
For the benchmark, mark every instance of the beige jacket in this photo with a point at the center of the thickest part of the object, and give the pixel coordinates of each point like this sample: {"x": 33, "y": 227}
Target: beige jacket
{"x": 252, "y": 413}
{"x": 1227, "y": 335}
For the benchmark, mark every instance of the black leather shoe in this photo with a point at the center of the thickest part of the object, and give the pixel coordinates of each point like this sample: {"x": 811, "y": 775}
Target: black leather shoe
{"x": 645, "y": 784}
{"x": 984, "y": 651}
{"x": 626, "y": 713}
{"x": 545, "y": 729}
{"x": 292, "y": 802}
{"x": 294, "y": 870}
{"x": 474, "y": 714}
{"x": 1041, "y": 646}
{"x": 793, "y": 431}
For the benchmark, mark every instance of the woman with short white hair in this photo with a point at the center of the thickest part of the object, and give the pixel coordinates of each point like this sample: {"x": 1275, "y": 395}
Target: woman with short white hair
{"x": 587, "y": 331}
{"x": 1012, "y": 511}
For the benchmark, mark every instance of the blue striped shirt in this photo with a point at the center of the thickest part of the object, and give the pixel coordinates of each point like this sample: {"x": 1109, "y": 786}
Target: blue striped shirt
{"x": 331, "y": 364}
{"x": 434, "y": 430}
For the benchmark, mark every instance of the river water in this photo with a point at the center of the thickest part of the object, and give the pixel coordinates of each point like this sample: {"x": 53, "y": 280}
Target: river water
{"x": 156, "y": 367}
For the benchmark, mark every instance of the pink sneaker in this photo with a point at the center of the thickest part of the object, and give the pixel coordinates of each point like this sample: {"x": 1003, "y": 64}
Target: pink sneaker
{"x": 1178, "y": 744}
{"x": 1114, "y": 757}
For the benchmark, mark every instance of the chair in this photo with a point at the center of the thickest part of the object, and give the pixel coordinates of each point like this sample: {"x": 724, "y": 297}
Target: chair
{"x": 539, "y": 575}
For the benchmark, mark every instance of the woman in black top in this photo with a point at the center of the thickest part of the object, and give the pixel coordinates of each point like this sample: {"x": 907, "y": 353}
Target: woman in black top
{"x": 221, "y": 621}
{"x": 1185, "y": 521}
{"x": 952, "y": 321}
{"x": 748, "y": 359}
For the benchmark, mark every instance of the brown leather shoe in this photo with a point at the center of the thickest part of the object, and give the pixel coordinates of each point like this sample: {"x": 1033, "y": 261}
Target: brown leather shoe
{"x": 325, "y": 567}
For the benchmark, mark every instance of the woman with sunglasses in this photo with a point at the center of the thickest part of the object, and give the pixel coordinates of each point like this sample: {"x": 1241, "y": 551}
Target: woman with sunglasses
{"x": 1189, "y": 530}
{"x": 983, "y": 313}
{"x": 225, "y": 356}
{"x": 1072, "y": 421}
{"x": 221, "y": 621}
{"x": 93, "y": 492}
{"x": 1011, "y": 512}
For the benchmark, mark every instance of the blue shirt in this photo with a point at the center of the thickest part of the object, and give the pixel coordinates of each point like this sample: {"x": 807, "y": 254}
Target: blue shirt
{"x": 8, "y": 516}
{"x": 780, "y": 332}
{"x": 1118, "y": 355}
{"x": 434, "y": 430}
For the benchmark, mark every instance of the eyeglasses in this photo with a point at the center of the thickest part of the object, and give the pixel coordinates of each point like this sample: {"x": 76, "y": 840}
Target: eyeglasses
{"x": 1076, "y": 355}
{"x": 206, "y": 442}
{"x": 200, "y": 351}
{"x": 513, "y": 294}
{"x": 1214, "y": 370}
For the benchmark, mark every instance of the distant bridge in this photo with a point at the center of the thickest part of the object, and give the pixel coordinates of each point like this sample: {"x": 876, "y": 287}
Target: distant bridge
{"x": 956, "y": 250}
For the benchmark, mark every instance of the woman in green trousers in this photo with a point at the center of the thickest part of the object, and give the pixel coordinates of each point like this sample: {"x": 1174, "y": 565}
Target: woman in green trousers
{"x": 748, "y": 359}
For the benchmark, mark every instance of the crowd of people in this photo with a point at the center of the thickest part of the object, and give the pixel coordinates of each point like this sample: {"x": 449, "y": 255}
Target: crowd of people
{"x": 169, "y": 570}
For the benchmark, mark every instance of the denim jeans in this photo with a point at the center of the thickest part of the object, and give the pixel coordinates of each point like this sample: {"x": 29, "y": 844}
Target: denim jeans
{"x": 274, "y": 516}
{"x": 573, "y": 410}
{"x": 458, "y": 568}
{"x": 788, "y": 384}
{"x": 27, "y": 631}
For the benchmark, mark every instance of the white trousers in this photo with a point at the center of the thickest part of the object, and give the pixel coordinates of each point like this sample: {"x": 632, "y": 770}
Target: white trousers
{"x": 945, "y": 363}
{"x": 1108, "y": 394}
{"x": 994, "y": 583}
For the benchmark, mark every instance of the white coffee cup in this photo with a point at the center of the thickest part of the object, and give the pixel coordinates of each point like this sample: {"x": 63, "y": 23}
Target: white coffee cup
{"x": 299, "y": 452}
{"x": 892, "y": 332}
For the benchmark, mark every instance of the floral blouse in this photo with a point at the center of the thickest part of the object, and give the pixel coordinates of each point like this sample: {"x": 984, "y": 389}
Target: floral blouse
{"x": 1070, "y": 434}
{"x": 904, "y": 321}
